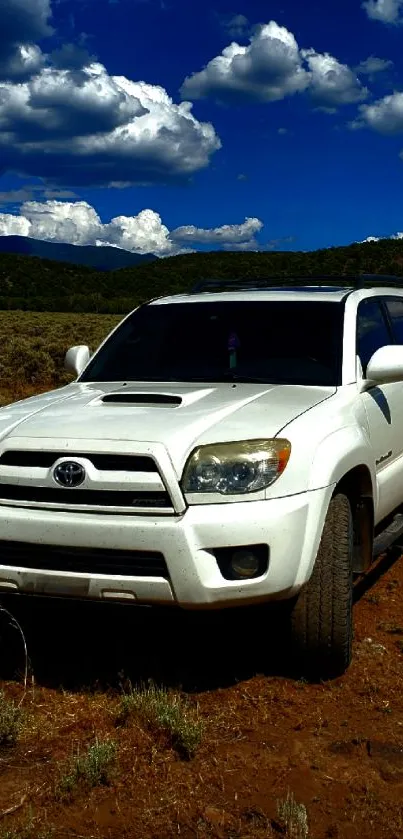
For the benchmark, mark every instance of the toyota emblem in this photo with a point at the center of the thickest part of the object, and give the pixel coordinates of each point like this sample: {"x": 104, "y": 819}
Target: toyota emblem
{"x": 69, "y": 474}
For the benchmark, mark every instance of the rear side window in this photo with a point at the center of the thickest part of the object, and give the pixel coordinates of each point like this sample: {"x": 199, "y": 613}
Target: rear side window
{"x": 372, "y": 330}
{"x": 394, "y": 306}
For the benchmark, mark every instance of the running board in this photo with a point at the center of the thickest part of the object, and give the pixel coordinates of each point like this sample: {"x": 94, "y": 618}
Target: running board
{"x": 389, "y": 536}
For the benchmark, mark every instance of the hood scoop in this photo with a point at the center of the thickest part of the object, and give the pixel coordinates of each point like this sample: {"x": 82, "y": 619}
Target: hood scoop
{"x": 142, "y": 398}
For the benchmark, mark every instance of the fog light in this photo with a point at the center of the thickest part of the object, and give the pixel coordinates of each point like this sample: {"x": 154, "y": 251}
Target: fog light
{"x": 245, "y": 564}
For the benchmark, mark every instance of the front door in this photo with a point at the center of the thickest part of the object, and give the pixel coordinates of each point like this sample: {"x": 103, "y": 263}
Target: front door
{"x": 383, "y": 406}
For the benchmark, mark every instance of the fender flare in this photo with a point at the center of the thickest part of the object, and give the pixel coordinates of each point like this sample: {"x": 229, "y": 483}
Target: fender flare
{"x": 338, "y": 454}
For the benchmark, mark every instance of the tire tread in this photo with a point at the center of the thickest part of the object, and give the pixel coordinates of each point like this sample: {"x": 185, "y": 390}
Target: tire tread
{"x": 321, "y": 620}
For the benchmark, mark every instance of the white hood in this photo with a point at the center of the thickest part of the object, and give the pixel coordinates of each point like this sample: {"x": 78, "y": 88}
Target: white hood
{"x": 205, "y": 414}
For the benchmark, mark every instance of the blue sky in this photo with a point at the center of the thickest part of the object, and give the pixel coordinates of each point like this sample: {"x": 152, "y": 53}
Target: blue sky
{"x": 293, "y": 139}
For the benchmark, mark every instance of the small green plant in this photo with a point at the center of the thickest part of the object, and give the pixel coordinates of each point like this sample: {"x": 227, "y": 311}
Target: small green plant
{"x": 167, "y": 712}
{"x": 293, "y": 817}
{"x": 10, "y": 721}
{"x": 90, "y": 769}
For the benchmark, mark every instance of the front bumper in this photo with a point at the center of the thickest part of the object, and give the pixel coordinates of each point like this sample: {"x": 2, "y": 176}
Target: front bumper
{"x": 291, "y": 527}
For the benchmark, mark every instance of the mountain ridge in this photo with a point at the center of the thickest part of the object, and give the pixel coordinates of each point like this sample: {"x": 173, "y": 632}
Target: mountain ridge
{"x": 101, "y": 258}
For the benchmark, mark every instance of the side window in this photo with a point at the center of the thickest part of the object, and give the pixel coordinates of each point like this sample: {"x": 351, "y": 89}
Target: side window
{"x": 395, "y": 311}
{"x": 372, "y": 330}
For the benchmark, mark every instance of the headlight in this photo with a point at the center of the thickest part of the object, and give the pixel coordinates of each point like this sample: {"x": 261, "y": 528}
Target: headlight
{"x": 236, "y": 468}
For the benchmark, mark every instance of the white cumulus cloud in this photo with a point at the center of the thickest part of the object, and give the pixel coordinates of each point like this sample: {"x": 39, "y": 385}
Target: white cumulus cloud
{"x": 78, "y": 223}
{"x": 87, "y": 128}
{"x": 384, "y": 116}
{"x": 226, "y": 234}
{"x": 62, "y": 221}
{"x": 386, "y": 11}
{"x": 373, "y": 65}
{"x": 52, "y": 105}
{"x": 395, "y": 236}
{"x": 270, "y": 68}
{"x": 273, "y": 67}
{"x": 11, "y": 225}
{"x": 66, "y": 120}
{"x": 332, "y": 83}
{"x": 144, "y": 233}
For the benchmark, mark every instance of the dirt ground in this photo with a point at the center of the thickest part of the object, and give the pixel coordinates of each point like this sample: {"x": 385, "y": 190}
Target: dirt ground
{"x": 337, "y": 747}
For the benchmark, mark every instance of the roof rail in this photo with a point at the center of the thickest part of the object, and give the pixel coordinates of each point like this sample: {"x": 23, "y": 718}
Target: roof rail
{"x": 377, "y": 280}
{"x": 256, "y": 283}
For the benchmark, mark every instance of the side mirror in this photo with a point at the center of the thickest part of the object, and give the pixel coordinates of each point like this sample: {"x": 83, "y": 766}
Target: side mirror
{"x": 386, "y": 365}
{"x": 76, "y": 359}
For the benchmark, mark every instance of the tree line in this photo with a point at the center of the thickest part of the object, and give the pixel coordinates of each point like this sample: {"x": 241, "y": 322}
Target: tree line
{"x": 35, "y": 284}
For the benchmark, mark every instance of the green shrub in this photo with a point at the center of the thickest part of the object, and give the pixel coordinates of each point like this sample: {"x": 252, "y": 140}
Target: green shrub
{"x": 90, "y": 769}
{"x": 166, "y": 712}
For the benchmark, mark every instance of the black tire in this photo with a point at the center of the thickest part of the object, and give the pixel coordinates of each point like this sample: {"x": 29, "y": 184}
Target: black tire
{"x": 322, "y": 615}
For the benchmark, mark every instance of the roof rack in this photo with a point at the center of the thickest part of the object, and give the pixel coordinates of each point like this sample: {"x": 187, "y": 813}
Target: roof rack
{"x": 340, "y": 280}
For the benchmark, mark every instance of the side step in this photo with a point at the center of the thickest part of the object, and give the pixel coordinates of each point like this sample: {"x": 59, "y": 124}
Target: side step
{"x": 386, "y": 538}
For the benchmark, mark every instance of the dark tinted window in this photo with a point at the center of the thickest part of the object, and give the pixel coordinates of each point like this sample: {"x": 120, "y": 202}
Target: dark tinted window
{"x": 290, "y": 343}
{"x": 395, "y": 311}
{"x": 372, "y": 330}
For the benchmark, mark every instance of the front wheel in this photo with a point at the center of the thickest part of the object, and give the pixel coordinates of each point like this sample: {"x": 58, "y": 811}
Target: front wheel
{"x": 322, "y": 615}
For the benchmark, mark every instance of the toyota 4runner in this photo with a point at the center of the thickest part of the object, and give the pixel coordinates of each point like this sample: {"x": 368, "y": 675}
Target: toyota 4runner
{"x": 221, "y": 448}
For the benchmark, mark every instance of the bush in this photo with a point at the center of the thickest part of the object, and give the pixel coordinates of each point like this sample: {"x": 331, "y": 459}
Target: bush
{"x": 166, "y": 712}
{"x": 90, "y": 769}
{"x": 34, "y": 345}
{"x": 293, "y": 818}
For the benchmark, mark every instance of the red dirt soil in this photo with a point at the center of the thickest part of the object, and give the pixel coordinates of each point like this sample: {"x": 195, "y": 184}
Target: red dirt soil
{"x": 338, "y": 747}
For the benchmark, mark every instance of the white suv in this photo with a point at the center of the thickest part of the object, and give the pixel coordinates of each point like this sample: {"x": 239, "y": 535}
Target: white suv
{"x": 221, "y": 448}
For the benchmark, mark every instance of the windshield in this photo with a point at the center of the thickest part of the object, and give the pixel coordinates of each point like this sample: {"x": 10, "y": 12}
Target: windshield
{"x": 275, "y": 342}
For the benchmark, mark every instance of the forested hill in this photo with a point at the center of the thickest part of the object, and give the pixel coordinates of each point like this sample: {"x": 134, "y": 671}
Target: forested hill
{"x": 42, "y": 285}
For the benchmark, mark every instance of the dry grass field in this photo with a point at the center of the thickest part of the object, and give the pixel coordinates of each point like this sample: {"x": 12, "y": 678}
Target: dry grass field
{"x": 33, "y": 345}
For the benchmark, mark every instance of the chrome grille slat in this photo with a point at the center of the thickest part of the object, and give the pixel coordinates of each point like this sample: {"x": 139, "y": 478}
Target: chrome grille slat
{"x": 89, "y": 497}
{"x": 103, "y": 462}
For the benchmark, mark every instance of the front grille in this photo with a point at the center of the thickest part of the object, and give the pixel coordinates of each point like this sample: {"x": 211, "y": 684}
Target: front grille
{"x": 83, "y": 560}
{"x": 90, "y": 497}
{"x": 105, "y": 462}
